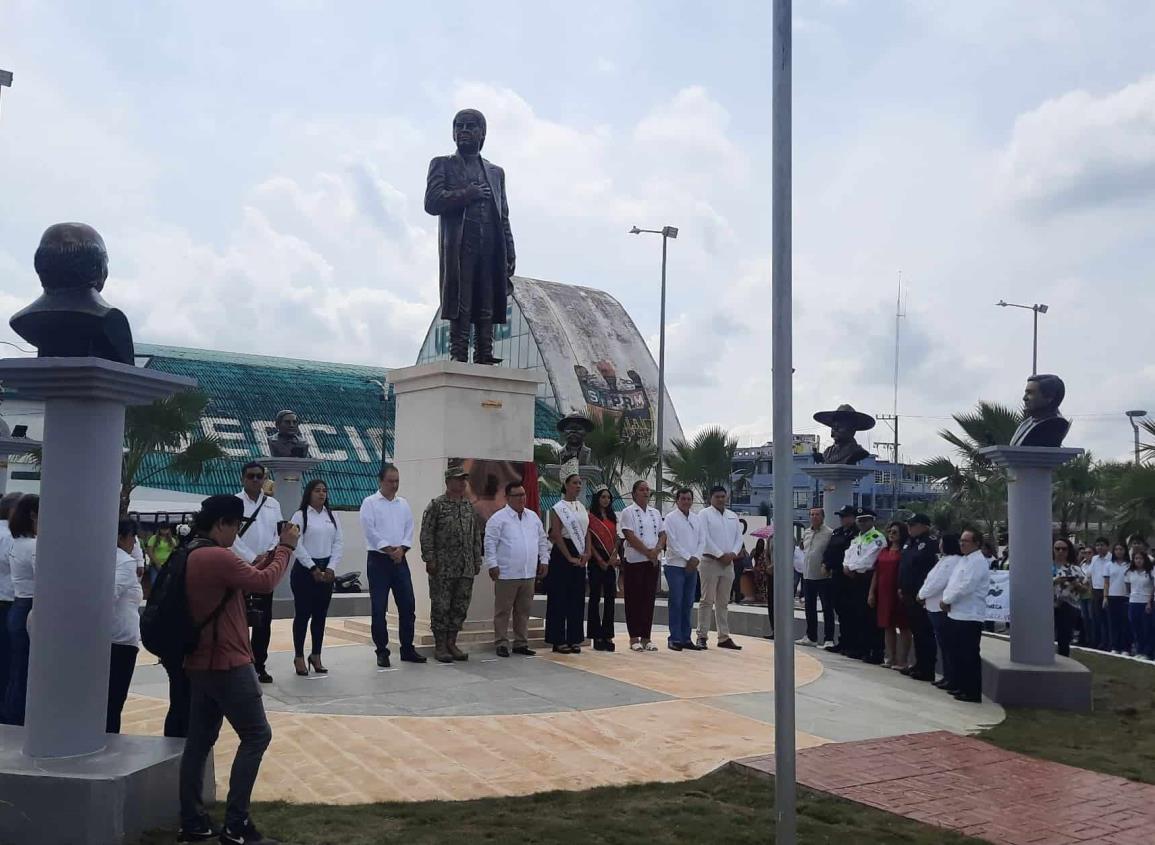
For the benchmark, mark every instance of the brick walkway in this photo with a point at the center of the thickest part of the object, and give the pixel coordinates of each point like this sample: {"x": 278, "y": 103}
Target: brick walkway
{"x": 974, "y": 788}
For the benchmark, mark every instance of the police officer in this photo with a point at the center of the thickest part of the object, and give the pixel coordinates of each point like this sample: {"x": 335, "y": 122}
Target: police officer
{"x": 832, "y": 560}
{"x": 858, "y": 565}
{"x": 451, "y": 546}
{"x": 918, "y": 559}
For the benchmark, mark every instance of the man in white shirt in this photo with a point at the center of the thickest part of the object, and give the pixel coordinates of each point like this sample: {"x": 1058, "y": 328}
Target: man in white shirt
{"x": 644, "y": 532}
{"x": 1096, "y": 570}
{"x": 683, "y": 557}
{"x": 965, "y": 602}
{"x": 816, "y": 584}
{"x": 387, "y": 523}
{"x": 258, "y": 534}
{"x": 858, "y": 566}
{"x": 516, "y": 555}
{"x": 7, "y": 503}
{"x": 127, "y": 596}
{"x": 721, "y": 542}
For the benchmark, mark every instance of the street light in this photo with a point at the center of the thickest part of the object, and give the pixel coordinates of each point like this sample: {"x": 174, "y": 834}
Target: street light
{"x": 1038, "y": 309}
{"x": 1133, "y": 416}
{"x": 666, "y": 232}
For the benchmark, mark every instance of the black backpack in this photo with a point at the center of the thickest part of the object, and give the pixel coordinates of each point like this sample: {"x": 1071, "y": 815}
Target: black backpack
{"x": 167, "y": 628}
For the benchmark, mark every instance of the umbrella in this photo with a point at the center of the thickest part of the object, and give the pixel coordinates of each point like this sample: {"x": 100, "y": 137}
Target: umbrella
{"x": 765, "y": 532}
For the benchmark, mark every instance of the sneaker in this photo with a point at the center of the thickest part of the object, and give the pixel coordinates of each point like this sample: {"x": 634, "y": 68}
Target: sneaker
{"x": 805, "y": 641}
{"x": 648, "y": 646}
{"x": 201, "y": 831}
{"x": 702, "y": 644}
{"x": 246, "y": 834}
{"x": 823, "y": 644}
{"x": 637, "y": 647}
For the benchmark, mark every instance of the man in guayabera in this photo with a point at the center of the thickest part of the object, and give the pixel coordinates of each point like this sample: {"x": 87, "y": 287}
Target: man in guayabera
{"x": 451, "y": 546}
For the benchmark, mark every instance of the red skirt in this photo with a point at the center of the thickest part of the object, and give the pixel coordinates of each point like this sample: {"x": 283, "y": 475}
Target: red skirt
{"x": 890, "y": 611}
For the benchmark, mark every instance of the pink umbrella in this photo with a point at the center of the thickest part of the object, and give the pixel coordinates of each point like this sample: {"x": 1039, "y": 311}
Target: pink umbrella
{"x": 765, "y": 532}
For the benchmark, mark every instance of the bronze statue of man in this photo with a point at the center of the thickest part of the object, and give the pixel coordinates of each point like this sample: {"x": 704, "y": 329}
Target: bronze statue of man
{"x": 71, "y": 318}
{"x": 844, "y": 422}
{"x": 1044, "y": 425}
{"x": 574, "y": 429}
{"x": 475, "y": 242}
{"x": 288, "y": 442}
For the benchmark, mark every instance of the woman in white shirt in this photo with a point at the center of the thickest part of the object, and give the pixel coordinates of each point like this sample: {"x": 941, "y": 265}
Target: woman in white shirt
{"x": 565, "y": 582}
{"x": 22, "y": 563}
{"x": 318, "y": 555}
{"x": 930, "y": 595}
{"x": 7, "y": 503}
{"x": 1140, "y": 590}
{"x": 127, "y": 596}
{"x": 965, "y": 601}
{"x": 1115, "y": 599}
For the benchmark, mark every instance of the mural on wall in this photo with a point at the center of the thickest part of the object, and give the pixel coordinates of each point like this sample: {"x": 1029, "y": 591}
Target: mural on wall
{"x": 606, "y": 394}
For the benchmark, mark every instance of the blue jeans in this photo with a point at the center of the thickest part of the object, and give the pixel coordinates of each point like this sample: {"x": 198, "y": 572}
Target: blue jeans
{"x": 12, "y": 709}
{"x": 938, "y": 623}
{"x": 385, "y": 575}
{"x": 682, "y": 584}
{"x": 1141, "y": 623}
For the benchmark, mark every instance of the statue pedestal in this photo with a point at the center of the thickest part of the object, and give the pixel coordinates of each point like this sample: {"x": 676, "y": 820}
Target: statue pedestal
{"x": 1032, "y": 675}
{"x": 10, "y": 446}
{"x": 837, "y": 487}
{"x": 110, "y": 788}
{"x": 450, "y": 409}
{"x": 289, "y": 475}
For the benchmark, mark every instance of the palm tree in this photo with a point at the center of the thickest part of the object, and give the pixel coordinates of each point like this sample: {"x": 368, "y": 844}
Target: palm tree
{"x": 1077, "y": 494}
{"x": 546, "y": 455}
{"x": 615, "y": 451}
{"x": 1147, "y": 450}
{"x": 1130, "y": 498}
{"x": 705, "y": 462}
{"x": 973, "y": 483}
{"x": 168, "y": 428}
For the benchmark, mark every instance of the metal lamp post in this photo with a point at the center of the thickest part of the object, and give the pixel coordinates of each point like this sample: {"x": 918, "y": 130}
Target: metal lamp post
{"x": 1133, "y": 416}
{"x": 1037, "y": 309}
{"x": 666, "y": 232}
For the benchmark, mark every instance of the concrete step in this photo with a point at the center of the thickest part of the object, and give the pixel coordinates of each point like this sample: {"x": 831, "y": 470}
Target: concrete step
{"x": 360, "y": 630}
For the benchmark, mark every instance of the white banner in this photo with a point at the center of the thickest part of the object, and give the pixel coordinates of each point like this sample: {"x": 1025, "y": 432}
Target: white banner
{"x": 999, "y": 597}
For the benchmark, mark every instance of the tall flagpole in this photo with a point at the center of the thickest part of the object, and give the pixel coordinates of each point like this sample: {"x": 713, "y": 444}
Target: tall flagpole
{"x": 782, "y": 379}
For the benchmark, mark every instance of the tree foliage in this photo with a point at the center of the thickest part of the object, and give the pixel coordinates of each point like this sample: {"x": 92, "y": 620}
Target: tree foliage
{"x": 704, "y": 462}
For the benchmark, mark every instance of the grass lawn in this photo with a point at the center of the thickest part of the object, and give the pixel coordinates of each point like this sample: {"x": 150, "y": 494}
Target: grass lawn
{"x": 724, "y": 807}
{"x": 1118, "y": 738}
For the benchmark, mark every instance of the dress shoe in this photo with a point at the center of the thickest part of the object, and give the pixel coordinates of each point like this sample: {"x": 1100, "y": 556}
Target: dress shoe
{"x": 769, "y": 636}
{"x": 610, "y": 646}
{"x": 503, "y": 651}
{"x": 873, "y": 660}
{"x": 940, "y": 683}
{"x": 263, "y": 676}
{"x": 413, "y": 657}
{"x": 835, "y": 648}
{"x": 672, "y": 646}
{"x": 383, "y": 661}
{"x": 600, "y": 645}
{"x": 921, "y": 676}
{"x": 562, "y": 649}
{"x": 300, "y": 667}
{"x": 575, "y": 649}
{"x": 906, "y": 670}
{"x": 315, "y": 662}
{"x": 524, "y": 650}
{"x": 689, "y": 646}
{"x": 730, "y": 644}
{"x": 970, "y": 699}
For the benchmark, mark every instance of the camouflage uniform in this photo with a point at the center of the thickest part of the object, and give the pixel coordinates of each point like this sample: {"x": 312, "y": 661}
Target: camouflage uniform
{"x": 451, "y": 539}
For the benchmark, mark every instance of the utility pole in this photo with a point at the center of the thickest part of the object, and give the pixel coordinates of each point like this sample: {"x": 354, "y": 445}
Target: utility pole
{"x": 892, "y": 419}
{"x": 899, "y": 313}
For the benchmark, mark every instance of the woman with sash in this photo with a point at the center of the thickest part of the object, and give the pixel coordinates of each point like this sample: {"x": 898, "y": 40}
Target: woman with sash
{"x": 602, "y": 569}
{"x": 565, "y": 582}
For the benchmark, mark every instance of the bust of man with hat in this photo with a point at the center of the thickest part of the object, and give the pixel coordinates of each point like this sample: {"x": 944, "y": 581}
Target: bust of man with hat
{"x": 573, "y": 428}
{"x": 844, "y": 421}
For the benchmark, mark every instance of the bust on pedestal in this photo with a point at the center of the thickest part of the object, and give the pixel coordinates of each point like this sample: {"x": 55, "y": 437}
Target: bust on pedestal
{"x": 837, "y": 467}
{"x": 1033, "y": 675}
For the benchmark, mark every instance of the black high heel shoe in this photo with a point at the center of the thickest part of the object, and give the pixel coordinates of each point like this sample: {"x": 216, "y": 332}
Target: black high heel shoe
{"x": 315, "y": 662}
{"x": 301, "y": 667}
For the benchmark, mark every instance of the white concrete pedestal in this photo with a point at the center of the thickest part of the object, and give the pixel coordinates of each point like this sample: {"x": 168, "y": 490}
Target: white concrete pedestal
{"x": 450, "y": 409}
{"x": 289, "y": 475}
{"x": 10, "y": 446}
{"x": 837, "y": 486}
{"x": 84, "y": 402}
{"x": 1033, "y": 676}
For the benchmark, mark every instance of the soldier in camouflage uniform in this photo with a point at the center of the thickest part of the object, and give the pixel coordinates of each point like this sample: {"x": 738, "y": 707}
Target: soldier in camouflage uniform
{"x": 451, "y": 546}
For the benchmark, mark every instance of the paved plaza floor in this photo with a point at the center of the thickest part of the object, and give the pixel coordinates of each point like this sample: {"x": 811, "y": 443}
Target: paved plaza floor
{"x": 510, "y": 726}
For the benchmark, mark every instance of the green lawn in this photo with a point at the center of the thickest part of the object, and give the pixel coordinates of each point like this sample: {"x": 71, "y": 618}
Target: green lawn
{"x": 1118, "y": 738}
{"x": 725, "y": 807}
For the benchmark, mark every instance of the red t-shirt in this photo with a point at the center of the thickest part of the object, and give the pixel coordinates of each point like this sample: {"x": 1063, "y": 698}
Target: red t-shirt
{"x": 212, "y": 571}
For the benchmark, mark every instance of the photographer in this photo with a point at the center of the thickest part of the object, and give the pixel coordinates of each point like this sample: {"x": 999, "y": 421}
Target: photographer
{"x": 220, "y": 668}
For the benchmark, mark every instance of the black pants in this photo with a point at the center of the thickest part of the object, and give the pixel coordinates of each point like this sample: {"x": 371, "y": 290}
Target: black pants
{"x": 176, "y": 720}
{"x": 963, "y": 640}
{"x": 5, "y": 647}
{"x": 922, "y": 632}
{"x": 1065, "y": 618}
{"x": 386, "y": 576}
{"x": 478, "y": 281}
{"x": 120, "y": 668}
{"x": 259, "y": 639}
{"x": 565, "y": 588}
{"x": 812, "y": 592}
{"x": 603, "y": 595}
{"x": 311, "y": 606}
{"x": 866, "y": 637}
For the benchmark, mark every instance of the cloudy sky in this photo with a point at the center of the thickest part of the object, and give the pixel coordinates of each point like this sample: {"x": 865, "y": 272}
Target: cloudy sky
{"x": 257, "y": 171}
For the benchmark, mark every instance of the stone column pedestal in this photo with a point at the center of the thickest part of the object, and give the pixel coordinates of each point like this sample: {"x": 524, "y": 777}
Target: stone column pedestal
{"x": 71, "y": 626}
{"x": 837, "y": 486}
{"x": 1033, "y": 675}
{"x": 289, "y": 475}
{"x": 450, "y": 409}
{"x": 10, "y": 446}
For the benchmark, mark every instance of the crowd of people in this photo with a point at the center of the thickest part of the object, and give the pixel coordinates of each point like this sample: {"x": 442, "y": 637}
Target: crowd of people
{"x": 900, "y": 596}
{"x": 1107, "y": 593}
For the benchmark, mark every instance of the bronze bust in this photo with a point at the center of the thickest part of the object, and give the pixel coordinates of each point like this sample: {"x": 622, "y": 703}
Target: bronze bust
{"x": 1043, "y": 425}
{"x": 71, "y": 318}
{"x": 475, "y": 242}
{"x": 574, "y": 429}
{"x": 288, "y": 442}
{"x": 844, "y": 421}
